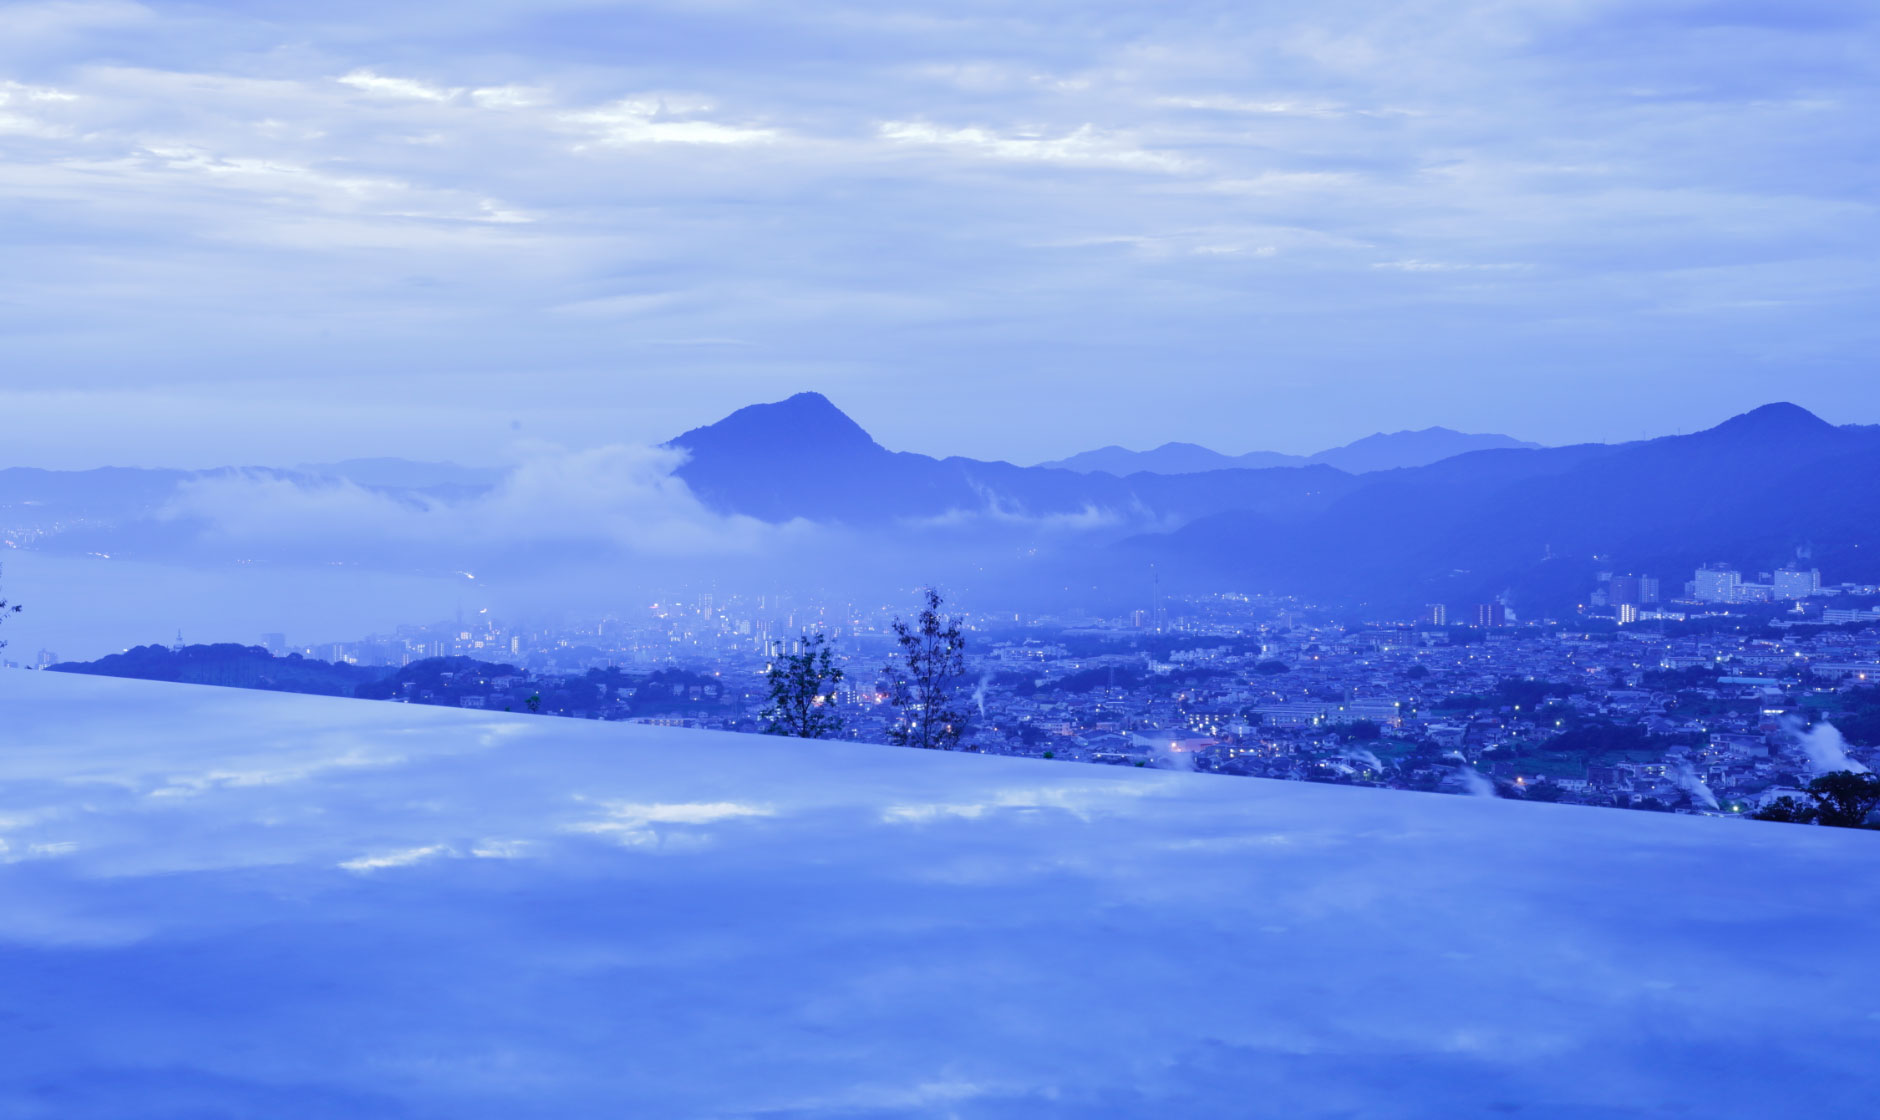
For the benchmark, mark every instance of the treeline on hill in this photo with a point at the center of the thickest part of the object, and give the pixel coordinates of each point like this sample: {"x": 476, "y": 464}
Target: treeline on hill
{"x": 231, "y": 665}
{"x": 503, "y": 687}
{"x": 434, "y": 680}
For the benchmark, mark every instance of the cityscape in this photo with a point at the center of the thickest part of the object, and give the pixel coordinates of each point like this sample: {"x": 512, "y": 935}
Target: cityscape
{"x": 1721, "y": 700}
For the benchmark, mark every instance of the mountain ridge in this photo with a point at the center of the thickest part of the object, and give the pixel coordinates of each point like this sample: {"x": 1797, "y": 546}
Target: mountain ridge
{"x": 1750, "y": 491}
{"x": 803, "y": 458}
{"x": 1379, "y": 451}
{"x": 1534, "y": 523}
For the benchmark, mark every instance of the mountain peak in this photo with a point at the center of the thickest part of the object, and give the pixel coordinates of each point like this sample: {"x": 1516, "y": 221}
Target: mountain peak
{"x": 1778, "y": 420}
{"x": 806, "y": 421}
{"x": 1412, "y": 448}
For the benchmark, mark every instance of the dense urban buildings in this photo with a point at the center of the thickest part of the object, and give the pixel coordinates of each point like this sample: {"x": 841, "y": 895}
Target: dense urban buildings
{"x": 1692, "y": 705}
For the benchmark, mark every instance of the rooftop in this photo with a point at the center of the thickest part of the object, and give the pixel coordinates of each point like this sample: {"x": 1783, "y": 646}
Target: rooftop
{"x": 225, "y": 902}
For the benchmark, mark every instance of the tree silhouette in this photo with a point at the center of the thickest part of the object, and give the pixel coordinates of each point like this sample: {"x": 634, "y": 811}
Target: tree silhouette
{"x": 1788, "y": 810}
{"x": 803, "y": 692}
{"x": 1842, "y": 799}
{"x": 925, "y": 684}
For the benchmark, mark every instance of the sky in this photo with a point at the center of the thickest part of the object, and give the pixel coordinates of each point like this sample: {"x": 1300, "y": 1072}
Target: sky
{"x": 271, "y": 232}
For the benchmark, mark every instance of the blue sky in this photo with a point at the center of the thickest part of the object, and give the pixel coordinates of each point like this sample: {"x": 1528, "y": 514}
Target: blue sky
{"x": 273, "y": 232}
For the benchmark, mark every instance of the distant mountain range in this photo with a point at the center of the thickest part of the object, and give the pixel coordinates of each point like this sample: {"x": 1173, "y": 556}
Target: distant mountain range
{"x": 803, "y": 458}
{"x": 1533, "y": 523}
{"x": 1536, "y": 523}
{"x": 1380, "y": 452}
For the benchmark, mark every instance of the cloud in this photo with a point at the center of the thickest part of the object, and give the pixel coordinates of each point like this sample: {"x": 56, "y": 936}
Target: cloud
{"x": 625, "y": 498}
{"x": 19, "y": 94}
{"x": 31, "y": 28}
{"x": 380, "y": 85}
{"x": 1279, "y": 107}
{"x": 997, "y": 513}
{"x": 404, "y": 858}
{"x": 23, "y": 109}
{"x": 509, "y": 97}
{"x": 642, "y": 120}
{"x": 190, "y": 202}
{"x": 1084, "y": 146}
{"x": 36, "y": 851}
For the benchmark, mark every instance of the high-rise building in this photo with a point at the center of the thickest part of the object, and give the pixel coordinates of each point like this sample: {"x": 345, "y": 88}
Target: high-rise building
{"x": 1631, "y": 590}
{"x": 1491, "y": 614}
{"x": 1797, "y": 583}
{"x": 1436, "y": 614}
{"x": 1627, "y": 613}
{"x": 1717, "y": 583}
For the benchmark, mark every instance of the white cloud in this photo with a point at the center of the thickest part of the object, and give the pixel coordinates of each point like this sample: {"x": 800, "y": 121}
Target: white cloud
{"x": 1084, "y": 146}
{"x": 383, "y": 86}
{"x": 23, "y": 109}
{"x": 643, "y": 120}
{"x": 36, "y": 851}
{"x": 194, "y": 182}
{"x": 623, "y": 497}
{"x": 19, "y": 93}
{"x": 509, "y": 97}
{"x": 269, "y": 174}
{"x": 351, "y": 207}
{"x": 1288, "y": 107}
{"x": 403, "y": 858}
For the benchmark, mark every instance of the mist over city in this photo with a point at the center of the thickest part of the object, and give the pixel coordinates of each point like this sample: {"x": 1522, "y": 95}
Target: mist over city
{"x": 1092, "y": 559}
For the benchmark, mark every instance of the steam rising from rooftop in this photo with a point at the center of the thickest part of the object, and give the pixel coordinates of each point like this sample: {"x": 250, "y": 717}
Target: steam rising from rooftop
{"x": 1686, "y": 777}
{"x": 1826, "y": 750}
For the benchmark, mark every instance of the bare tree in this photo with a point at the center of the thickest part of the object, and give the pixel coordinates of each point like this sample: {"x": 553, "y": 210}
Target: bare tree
{"x": 803, "y": 692}
{"x": 925, "y": 684}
